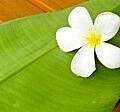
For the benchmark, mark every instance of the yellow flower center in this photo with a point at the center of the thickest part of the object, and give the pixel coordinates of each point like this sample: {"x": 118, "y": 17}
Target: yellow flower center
{"x": 94, "y": 39}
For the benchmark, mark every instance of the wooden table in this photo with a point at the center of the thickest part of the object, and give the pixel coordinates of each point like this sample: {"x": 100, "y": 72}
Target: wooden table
{"x": 10, "y": 9}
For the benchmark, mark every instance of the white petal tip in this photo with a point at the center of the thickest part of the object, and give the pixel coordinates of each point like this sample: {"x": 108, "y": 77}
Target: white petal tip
{"x": 82, "y": 73}
{"x": 109, "y": 55}
{"x": 61, "y": 47}
{"x": 80, "y": 7}
{"x": 113, "y": 67}
{"x": 83, "y": 63}
{"x": 69, "y": 39}
{"x": 59, "y": 40}
{"x": 108, "y": 24}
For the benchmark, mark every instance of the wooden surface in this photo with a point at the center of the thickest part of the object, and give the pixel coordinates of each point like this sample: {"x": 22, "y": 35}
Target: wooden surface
{"x": 117, "y": 107}
{"x": 52, "y": 5}
{"x": 11, "y": 9}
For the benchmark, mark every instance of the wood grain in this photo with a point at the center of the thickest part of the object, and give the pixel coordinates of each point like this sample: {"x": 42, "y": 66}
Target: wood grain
{"x": 10, "y": 9}
{"x": 52, "y": 5}
{"x": 117, "y": 107}
{"x": 42, "y": 5}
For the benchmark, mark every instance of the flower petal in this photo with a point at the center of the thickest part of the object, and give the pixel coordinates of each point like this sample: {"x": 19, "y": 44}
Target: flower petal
{"x": 109, "y": 55}
{"x": 69, "y": 39}
{"x": 80, "y": 18}
{"x": 108, "y": 24}
{"x": 83, "y": 63}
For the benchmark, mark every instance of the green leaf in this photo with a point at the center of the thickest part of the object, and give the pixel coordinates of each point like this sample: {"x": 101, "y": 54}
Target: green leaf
{"x": 35, "y": 75}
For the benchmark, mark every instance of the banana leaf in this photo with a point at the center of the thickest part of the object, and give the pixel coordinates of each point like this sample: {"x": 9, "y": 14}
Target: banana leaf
{"x": 35, "y": 75}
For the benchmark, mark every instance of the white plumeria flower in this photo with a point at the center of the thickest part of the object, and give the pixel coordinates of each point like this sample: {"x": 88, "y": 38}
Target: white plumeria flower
{"x": 83, "y": 33}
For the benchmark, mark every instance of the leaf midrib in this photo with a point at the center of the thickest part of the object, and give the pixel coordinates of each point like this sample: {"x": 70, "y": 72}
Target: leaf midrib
{"x": 29, "y": 63}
